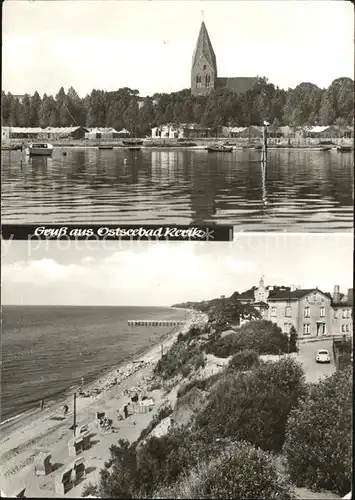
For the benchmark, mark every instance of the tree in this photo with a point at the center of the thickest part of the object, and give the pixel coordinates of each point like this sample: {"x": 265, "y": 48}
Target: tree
{"x": 36, "y": 102}
{"x": 327, "y": 112}
{"x": 241, "y": 471}
{"x": 318, "y": 444}
{"x": 244, "y": 360}
{"x": 255, "y": 405}
{"x": 293, "y": 341}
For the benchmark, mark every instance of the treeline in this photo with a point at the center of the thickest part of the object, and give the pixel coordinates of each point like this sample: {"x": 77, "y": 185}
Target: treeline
{"x": 306, "y": 104}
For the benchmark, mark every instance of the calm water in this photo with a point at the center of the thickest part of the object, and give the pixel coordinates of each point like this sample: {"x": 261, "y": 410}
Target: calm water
{"x": 46, "y": 350}
{"x": 301, "y": 191}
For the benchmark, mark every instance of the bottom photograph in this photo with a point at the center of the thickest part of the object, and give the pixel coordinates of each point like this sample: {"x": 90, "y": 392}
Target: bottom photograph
{"x": 178, "y": 370}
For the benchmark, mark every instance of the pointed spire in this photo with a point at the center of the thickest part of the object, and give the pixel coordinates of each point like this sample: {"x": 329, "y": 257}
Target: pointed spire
{"x": 204, "y": 47}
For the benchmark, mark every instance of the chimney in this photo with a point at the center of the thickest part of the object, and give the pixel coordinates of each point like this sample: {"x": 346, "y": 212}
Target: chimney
{"x": 293, "y": 288}
{"x": 350, "y": 295}
{"x": 336, "y": 294}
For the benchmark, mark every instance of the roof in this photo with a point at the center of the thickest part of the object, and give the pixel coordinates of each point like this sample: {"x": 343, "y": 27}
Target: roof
{"x": 317, "y": 129}
{"x": 281, "y": 293}
{"x": 26, "y": 130}
{"x": 238, "y": 84}
{"x": 204, "y": 48}
{"x": 62, "y": 130}
{"x": 102, "y": 130}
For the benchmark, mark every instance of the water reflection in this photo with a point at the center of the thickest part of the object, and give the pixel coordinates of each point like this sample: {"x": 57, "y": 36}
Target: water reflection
{"x": 299, "y": 190}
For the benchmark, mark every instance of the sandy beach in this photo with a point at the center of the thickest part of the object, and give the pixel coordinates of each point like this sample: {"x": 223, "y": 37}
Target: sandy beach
{"x": 49, "y": 430}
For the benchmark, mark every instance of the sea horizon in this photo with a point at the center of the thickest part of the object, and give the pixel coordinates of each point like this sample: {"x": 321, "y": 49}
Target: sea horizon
{"x": 46, "y": 350}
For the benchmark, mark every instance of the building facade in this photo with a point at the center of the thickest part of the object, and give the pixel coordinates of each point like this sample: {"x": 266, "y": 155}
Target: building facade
{"x": 312, "y": 312}
{"x": 204, "y": 76}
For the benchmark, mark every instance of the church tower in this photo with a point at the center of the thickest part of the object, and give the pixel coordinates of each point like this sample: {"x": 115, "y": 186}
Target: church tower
{"x": 204, "y": 65}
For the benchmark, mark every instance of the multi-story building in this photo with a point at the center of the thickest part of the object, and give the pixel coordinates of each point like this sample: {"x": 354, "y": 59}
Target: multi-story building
{"x": 312, "y": 312}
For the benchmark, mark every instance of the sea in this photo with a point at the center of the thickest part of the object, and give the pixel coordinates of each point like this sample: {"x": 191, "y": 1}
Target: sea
{"x": 46, "y": 350}
{"x": 301, "y": 190}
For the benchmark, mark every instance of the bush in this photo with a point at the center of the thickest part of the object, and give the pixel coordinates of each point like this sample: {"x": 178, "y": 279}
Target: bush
{"x": 121, "y": 481}
{"x": 254, "y": 406}
{"x": 180, "y": 359}
{"x": 89, "y": 489}
{"x": 264, "y": 337}
{"x": 318, "y": 445}
{"x": 199, "y": 384}
{"x": 293, "y": 340}
{"x": 242, "y": 471}
{"x": 244, "y": 360}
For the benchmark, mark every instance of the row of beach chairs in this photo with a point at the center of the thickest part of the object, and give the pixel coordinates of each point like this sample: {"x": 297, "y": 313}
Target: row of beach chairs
{"x": 75, "y": 471}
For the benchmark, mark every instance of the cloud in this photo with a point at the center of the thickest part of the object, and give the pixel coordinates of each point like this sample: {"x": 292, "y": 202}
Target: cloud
{"x": 171, "y": 271}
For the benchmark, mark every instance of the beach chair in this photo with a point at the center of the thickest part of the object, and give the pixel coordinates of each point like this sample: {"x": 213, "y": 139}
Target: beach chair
{"x": 86, "y": 440}
{"x": 99, "y": 417}
{"x": 63, "y": 482}
{"x": 78, "y": 471}
{"x": 42, "y": 463}
{"x": 75, "y": 446}
{"x": 81, "y": 429}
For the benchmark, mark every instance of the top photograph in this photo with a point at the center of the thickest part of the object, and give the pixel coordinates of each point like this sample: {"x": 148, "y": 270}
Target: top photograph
{"x": 199, "y": 113}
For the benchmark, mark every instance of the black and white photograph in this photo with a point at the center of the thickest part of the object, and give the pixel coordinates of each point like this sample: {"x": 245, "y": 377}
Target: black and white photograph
{"x": 177, "y": 247}
{"x": 178, "y": 369}
{"x": 178, "y": 112}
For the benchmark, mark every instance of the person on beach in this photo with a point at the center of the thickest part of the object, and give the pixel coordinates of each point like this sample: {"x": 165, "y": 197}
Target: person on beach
{"x": 125, "y": 411}
{"x": 65, "y": 409}
{"x": 42, "y": 404}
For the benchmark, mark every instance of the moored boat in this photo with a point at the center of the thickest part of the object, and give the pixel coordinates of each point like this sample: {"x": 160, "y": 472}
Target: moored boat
{"x": 134, "y": 148}
{"x": 132, "y": 142}
{"x": 219, "y": 149}
{"x": 39, "y": 149}
{"x": 103, "y": 146}
{"x": 344, "y": 149}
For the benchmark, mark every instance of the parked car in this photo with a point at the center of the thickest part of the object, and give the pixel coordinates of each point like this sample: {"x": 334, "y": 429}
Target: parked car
{"x": 323, "y": 356}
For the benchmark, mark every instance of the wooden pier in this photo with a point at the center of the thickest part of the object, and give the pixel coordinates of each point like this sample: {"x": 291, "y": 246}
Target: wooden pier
{"x": 150, "y": 323}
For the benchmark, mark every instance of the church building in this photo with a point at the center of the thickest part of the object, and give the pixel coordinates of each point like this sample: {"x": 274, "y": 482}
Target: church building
{"x": 204, "y": 77}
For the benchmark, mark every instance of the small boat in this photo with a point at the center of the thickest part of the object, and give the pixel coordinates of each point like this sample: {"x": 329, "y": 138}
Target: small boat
{"x": 134, "y": 148}
{"x": 344, "y": 149}
{"x": 39, "y": 149}
{"x": 326, "y": 148}
{"x": 219, "y": 149}
{"x": 103, "y": 146}
{"x": 132, "y": 142}
{"x": 11, "y": 148}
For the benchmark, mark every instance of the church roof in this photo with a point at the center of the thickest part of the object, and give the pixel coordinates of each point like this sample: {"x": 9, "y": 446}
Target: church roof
{"x": 240, "y": 85}
{"x": 204, "y": 47}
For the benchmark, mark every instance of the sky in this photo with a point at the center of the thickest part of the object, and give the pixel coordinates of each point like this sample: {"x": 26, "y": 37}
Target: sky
{"x": 148, "y": 45}
{"x": 164, "y": 273}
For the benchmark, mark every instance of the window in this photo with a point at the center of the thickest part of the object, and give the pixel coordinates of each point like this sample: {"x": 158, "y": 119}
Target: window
{"x": 322, "y": 312}
{"x": 343, "y": 328}
{"x": 335, "y": 314}
{"x": 344, "y": 314}
{"x": 198, "y": 81}
{"x": 204, "y": 66}
{"x": 286, "y": 328}
{"x": 288, "y": 312}
{"x": 208, "y": 80}
{"x": 306, "y": 312}
{"x": 273, "y": 311}
{"x": 306, "y": 329}
{"x": 348, "y": 313}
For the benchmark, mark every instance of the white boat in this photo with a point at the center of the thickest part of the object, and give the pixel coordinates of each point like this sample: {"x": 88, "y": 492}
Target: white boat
{"x": 39, "y": 149}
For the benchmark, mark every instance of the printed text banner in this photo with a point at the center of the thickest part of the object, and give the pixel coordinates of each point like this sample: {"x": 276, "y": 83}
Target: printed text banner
{"x": 112, "y": 232}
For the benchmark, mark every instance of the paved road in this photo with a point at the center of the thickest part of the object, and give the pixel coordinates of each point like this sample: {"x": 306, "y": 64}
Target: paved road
{"x": 307, "y": 355}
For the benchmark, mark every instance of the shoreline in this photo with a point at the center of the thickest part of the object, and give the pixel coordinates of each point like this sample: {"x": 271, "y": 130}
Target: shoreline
{"x": 63, "y": 397}
{"x": 24, "y": 436}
